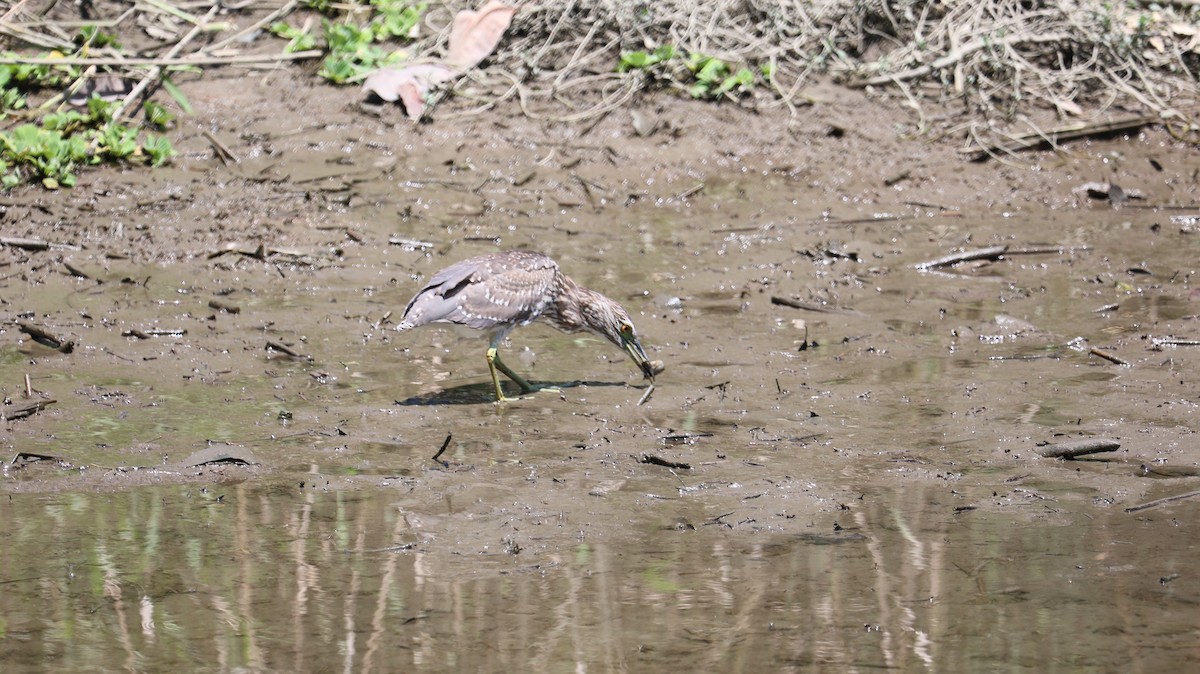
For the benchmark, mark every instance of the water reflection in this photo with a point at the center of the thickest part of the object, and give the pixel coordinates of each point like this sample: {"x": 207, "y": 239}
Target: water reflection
{"x": 277, "y": 578}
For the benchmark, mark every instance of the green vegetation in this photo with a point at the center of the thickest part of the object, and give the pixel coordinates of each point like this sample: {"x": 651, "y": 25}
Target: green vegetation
{"x": 63, "y": 137}
{"x": 354, "y": 49}
{"x": 640, "y": 60}
{"x": 703, "y": 76}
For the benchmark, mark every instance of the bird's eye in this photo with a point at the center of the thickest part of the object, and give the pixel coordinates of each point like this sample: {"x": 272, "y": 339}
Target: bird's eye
{"x": 627, "y": 329}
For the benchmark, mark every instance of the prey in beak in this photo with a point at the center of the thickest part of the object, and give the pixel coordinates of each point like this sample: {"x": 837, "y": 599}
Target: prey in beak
{"x": 631, "y": 345}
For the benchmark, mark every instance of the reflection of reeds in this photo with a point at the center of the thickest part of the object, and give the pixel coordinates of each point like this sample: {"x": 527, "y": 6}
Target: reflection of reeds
{"x": 215, "y": 584}
{"x": 381, "y": 628}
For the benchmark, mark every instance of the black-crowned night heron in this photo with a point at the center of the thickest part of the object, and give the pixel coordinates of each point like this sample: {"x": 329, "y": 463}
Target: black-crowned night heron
{"x": 500, "y": 291}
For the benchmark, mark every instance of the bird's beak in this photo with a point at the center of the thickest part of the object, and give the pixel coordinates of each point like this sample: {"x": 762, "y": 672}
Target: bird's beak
{"x": 634, "y": 348}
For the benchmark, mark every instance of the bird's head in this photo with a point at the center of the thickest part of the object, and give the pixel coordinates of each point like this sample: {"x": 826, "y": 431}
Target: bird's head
{"x": 606, "y": 317}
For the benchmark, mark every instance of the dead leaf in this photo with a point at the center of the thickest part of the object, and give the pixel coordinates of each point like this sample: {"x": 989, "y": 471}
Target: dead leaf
{"x": 1068, "y": 107}
{"x": 410, "y": 84}
{"x": 476, "y": 33}
{"x": 1183, "y": 28}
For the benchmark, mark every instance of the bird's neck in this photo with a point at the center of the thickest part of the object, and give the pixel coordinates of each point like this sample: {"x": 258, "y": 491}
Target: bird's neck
{"x": 568, "y": 312}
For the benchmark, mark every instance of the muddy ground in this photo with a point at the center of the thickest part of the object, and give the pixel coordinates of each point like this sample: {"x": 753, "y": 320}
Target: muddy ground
{"x": 780, "y": 420}
{"x": 336, "y": 211}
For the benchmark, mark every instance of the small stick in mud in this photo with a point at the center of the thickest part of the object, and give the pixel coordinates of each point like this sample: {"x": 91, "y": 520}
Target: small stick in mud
{"x": 285, "y": 350}
{"x": 683, "y": 438}
{"x": 645, "y": 396}
{"x": 412, "y": 244}
{"x": 1157, "y": 343}
{"x": 445, "y": 444}
{"x": 45, "y": 338}
{"x": 75, "y": 271}
{"x": 220, "y": 149}
{"x": 147, "y": 334}
{"x": 1070, "y": 450}
{"x": 1162, "y": 501}
{"x": 1047, "y": 250}
{"x": 1053, "y": 136}
{"x": 32, "y": 457}
{"x": 659, "y": 461}
{"x": 808, "y": 306}
{"x": 26, "y": 410}
{"x": 690, "y": 192}
{"x": 383, "y": 319}
{"x": 24, "y": 244}
{"x": 1110, "y": 357}
{"x": 224, "y": 306}
{"x": 990, "y": 253}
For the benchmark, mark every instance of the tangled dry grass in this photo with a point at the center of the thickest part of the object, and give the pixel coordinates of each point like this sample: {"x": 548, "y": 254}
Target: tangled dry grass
{"x": 969, "y": 69}
{"x": 974, "y": 67}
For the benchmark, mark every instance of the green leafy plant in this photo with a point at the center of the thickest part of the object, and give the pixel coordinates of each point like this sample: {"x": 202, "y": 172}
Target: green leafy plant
{"x": 51, "y": 149}
{"x": 91, "y": 35}
{"x": 47, "y": 152}
{"x": 174, "y": 92}
{"x": 11, "y": 100}
{"x": 706, "y": 76}
{"x": 352, "y": 53}
{"x": 298, "y": 39}
{"x": 395, "y": 19}
{"x": 354, "y": 49}
{"x": 115, "y": 141}
{"x": 157, "y": 115}
{"x": 640, "y": 60}
{"x": 158, "y": 150}
{"x": 715, "y": 78}
{"x": 322, "y": 6}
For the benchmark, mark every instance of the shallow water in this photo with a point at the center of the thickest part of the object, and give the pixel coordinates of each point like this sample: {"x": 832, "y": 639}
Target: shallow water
{"x": 279, "y": 576}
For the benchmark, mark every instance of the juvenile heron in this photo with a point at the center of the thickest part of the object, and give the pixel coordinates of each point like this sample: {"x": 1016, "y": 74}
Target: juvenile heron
{"x": 500, "y": 291}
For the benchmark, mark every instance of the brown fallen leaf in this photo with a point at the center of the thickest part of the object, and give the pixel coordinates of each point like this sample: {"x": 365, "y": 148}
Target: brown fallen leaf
{"x": 473, "y": 37}
{"x": 476, "y": 33}
{"x": 409, "y": 84}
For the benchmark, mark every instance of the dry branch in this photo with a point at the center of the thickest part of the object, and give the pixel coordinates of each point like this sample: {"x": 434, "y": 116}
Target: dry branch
{"x": 45, "y": 337}
{"x": 1052, "y": 137}
{"x": 227, "y": 307}
{"x": 1110, "y": 357}
{"x": 26, "y": 244}
{"x": 442, "y": 449}
{"x": 233, "y": 59}
{"x": 26, "y": 409}
{"x": 1070, "y": 450}
{"x": 990, "y": 253}
{"x": 1157, "y": 343}
{"x": 1162, "y": 501}
{"x": 665, "y": 463}
{"x": 156, "y": 72}
{"x": 285, "y": 350}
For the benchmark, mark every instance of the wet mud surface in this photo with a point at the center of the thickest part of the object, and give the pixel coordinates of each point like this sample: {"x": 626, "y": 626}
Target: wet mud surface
{"x": 841, "y": 463}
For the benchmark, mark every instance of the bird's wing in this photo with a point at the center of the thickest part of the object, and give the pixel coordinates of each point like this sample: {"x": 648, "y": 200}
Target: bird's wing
{"x": 435, "y": 301}
{"x": 486, "y": 292}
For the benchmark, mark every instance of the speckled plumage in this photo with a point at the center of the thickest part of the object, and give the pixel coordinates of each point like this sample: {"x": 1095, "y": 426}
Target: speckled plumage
{"x": 497, "y": 292}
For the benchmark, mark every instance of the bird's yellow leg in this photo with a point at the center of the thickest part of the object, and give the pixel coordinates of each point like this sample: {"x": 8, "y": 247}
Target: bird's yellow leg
{"x": 494, "y": 363}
